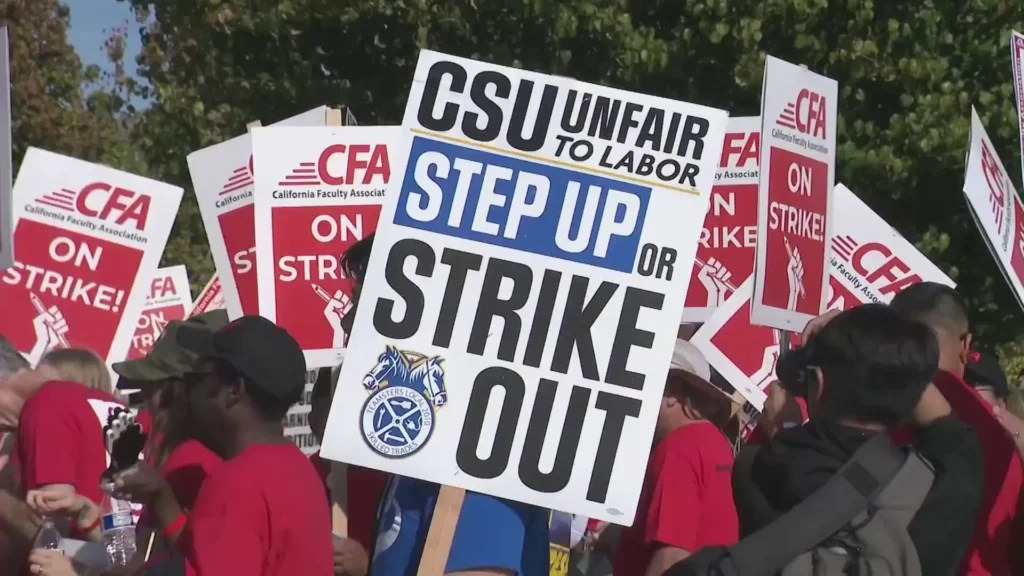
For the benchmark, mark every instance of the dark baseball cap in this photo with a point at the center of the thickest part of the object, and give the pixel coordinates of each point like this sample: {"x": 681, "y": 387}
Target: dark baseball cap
{"x": 167, "y": 359}
{"x": 260, "y": 350}
{"x": 983, "y": 371}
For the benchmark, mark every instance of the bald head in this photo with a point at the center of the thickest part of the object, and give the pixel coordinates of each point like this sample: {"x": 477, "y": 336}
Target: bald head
{"x": 945, "y": 311}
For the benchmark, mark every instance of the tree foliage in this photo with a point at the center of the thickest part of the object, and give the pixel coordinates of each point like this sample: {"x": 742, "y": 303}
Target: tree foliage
{"x": 50, "y": 107}
{"x": 908, "y": 72}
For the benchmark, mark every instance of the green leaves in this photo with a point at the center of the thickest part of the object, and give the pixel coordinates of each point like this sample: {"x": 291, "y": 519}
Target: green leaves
{"x": 908, "y": 73}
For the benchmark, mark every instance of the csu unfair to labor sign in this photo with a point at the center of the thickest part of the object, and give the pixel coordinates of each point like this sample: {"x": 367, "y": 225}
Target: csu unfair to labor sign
{"x": 525, "y": 287}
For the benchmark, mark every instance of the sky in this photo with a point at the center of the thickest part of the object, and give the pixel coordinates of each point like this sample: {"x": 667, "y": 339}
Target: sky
{"x": 91, "y": 21}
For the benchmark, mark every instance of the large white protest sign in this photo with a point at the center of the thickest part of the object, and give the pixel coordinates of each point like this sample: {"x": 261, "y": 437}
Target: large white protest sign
{"x": 319, "y": 191}
{"x": 871, "y": 262}
{"x": 525, "y": 287}
{"x": 6, "y": 166}
{"x": 223, "y": 179}
{"x": 89, "y": 242}
{"x": 995, "y": 206}
{"x": 798, "y": 165}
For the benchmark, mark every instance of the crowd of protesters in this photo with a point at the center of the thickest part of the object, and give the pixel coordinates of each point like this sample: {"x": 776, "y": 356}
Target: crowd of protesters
{"x": 224, "y": 492}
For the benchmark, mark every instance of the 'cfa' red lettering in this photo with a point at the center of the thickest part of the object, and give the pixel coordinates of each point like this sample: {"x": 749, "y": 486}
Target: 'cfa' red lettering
{"x": 116, "y": 204}
{"x": 892, "y": 270}
{"x": 810, "y": 113}
{"x": 739, "y": 149}
{"x": 370, "y": 161}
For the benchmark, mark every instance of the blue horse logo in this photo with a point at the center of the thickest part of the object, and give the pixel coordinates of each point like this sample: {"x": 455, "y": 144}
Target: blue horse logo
{"x": 407, "y": 389}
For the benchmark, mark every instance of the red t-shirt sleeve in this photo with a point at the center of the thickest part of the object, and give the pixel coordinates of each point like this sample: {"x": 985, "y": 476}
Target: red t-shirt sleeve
{"x": 671, "y": 519}
{"x": 47, "y": 441}
{"x": 214, "y": 548}
{"x": 223, "y": 534}
{"x": 186, "y": 470}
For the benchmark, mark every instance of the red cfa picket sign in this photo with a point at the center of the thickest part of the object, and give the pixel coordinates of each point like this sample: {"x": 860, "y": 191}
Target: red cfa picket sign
{"x": 6, "y": 169}
{"x": 725, "y": 254}
{"x": 169, "y": 299}
{"x": 223, "y": 179}
{"x": 319, "y": 191}
{"x": 995, "y": 206}
{"x": 211, "y": 298}
{"x": 89, "y": 240}
{"x": 798, "y": 157}
{"x": 870, "y": 262}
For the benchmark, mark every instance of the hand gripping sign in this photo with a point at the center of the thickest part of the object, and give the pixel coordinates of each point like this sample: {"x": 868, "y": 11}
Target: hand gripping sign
{"x": 169, "y": 298}
{"x": 1017, "y": 60}
{"x": 995, "y": 206}
{"x": 525, "y": 287}
{"x": 725, "y": 255}
{"x": 319, "y": 191}
{"x": 6, "y": 168}
{"x": 870, "y": 262}
{"x": 223, "y": 178}
{"x": 211, "y": 298}
{"x": 89, "y": 242}
{"x": 798, "y": 157}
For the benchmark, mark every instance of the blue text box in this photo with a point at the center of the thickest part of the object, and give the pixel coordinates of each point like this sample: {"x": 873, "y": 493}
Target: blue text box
{"x": 527, "y": 205}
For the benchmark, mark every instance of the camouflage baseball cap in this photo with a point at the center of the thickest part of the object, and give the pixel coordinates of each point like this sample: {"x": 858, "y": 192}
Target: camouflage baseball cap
{"x": 167, "y": 359}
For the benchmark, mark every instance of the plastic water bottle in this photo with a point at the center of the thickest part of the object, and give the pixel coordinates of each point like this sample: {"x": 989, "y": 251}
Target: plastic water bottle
{"x": 118, "y": 530}
{"x": 48, "y": 537}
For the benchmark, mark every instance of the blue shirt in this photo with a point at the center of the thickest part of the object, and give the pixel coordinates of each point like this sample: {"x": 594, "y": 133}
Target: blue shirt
{"x": 491, "y": 532}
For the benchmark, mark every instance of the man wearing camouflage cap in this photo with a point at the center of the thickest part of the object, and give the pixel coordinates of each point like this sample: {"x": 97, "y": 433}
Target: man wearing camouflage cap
{"x": 166, "y": 365}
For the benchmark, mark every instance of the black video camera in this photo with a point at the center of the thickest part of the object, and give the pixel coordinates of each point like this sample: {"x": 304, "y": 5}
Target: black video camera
{"x": 794, "y": 370}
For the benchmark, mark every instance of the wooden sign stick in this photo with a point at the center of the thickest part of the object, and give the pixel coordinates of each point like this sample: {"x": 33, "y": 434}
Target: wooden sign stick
{"x": 441, "y": 531}
{"x": 253, "y": 124}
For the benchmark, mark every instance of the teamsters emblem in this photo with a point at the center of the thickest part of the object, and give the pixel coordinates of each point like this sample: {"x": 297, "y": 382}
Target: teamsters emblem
{"x": 407, "y": 389}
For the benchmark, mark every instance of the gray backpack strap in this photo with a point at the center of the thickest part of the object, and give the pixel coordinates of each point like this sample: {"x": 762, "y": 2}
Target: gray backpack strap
{"x": 902, "y": 497}
{"x": 859, "y": 482}
{"x": 876, "y": 541}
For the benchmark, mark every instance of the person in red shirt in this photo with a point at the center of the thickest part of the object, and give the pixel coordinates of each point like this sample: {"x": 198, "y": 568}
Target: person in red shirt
{"x": 60, "y": 438}
{"x": 686, "y": 501}
{"x": 262, "y": 511}
{"x": 160, "y": 377}
{"x": 992, "y": 547}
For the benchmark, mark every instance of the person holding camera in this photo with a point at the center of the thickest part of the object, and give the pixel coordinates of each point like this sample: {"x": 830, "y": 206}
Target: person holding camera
{"x": 835, "y": 495}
